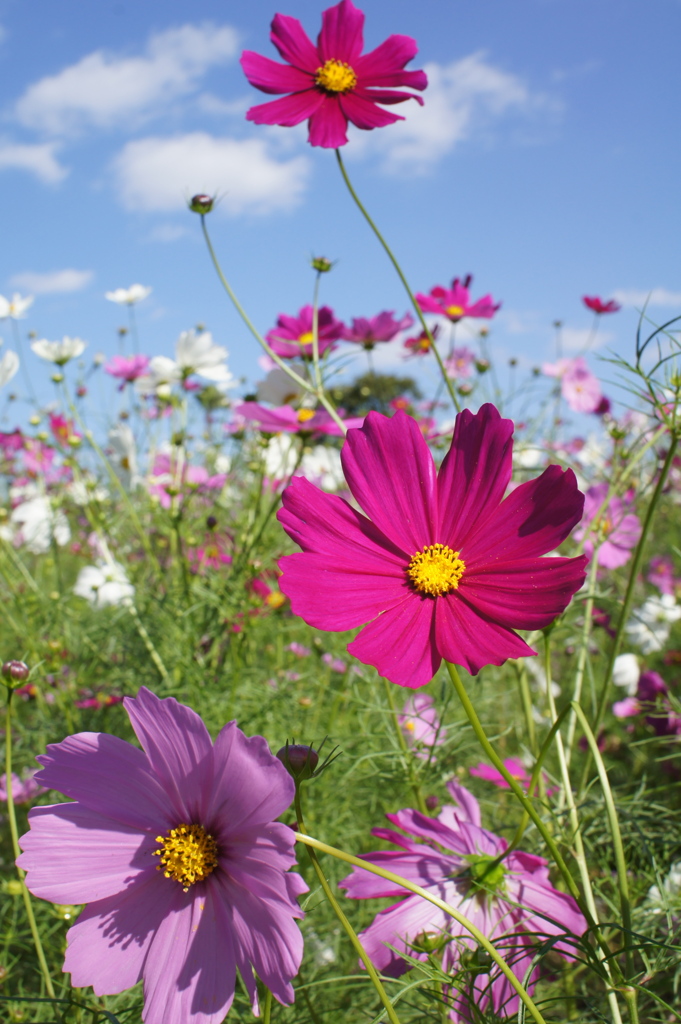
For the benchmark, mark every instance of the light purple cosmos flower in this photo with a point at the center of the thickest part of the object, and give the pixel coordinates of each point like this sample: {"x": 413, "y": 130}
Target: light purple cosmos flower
{"x": 580, "y": 389}
{"x": 442, "y": 568}
{"x": 512, "y": 765}
{"x": 24, "y": 790}
{"x": 127, "y": 368}
{"x": 661, "y": 574}
{"x": 420, "y": 724}
{"x": 455, "y": 302}
{"x": 384, "y": 327}
{"x": 332, "y": 83}
{"x": 460, "y": 363}
{"x": 292, "y": 337}
{"x": 620, "y": 527}
{"x": 175, "y": 850}
{"x": 512, "y": 902}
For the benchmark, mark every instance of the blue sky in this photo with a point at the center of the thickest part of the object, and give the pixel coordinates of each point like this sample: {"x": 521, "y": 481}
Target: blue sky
{"x": 545, "y": 162}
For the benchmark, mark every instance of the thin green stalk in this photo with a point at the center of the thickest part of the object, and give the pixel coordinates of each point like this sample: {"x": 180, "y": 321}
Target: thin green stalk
{"x": 349, "y": 930}
{"x": 403, "y": 279}
{"x": 479, "y": 936}
{"x": 583, "y": 651}
{"x": 149, "y": 644}
{"x": 526, "y": 700}
{"x": 629, "y": 598}
{"x": 267, "y": 1009}
{"x": 12, "y": 818}
{"x": 407, "y": 754}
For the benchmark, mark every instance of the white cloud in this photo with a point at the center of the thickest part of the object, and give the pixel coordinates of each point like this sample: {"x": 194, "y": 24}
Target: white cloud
{"x": 461, "y": 97}
{"x": 68, "y": 280}
{"x": 581, "y": 339}
{"x": 653, "y": 297}
{"x": 103, "y": 90}
{"x": 39, "y": 159}
{"x": 157, "y": 173}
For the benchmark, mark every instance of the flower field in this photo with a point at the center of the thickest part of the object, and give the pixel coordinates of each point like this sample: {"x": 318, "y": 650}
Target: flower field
{"x": 328, "y": 700}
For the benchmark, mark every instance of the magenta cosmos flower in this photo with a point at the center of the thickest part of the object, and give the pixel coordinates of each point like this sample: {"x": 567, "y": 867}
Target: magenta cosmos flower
{"x": 455, "y": 302}
{"x": 127, "y": 368}
{"x": 452, "y": 856}
{"x": 288, "y": 420}
{"x": 175, "y": 850}
{"x": 292, "y": 337}
{"x": 443, "y": 567}
{"x": 332, "y": 83}
{"x": 598, "y": 306}
{"x": 367, "y": 331}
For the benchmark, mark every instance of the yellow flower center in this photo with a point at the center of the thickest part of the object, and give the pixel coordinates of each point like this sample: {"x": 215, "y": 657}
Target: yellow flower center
{"x": 436, "y": 570}
{"x": 410, "y": 727}
{"x": 305, "y": 414}
{"x": 336, "y": 76}
{"x": 188, "y": 854}
{"x": 454, "y": 310}
{"x": 306, "y": 339}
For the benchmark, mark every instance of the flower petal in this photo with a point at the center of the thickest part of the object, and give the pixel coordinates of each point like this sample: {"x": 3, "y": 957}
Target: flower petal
{"x": 289, "y": 110}
{"x": 251, "y": 787}
{"x": 466, "y": 637}
{"x": 270, "y": 76}
{"x": 190, "y": 971}
{"x": 179, "y": 749}
{"x": 391, "y": 474}
{"x": 474, "y": 473}
{"x": 401, "y": 643}
{"x": 383, "y": 65}
{"x": 108, "y": 944}
{"x": 294, "y": 44}
{"x": 397, "y": 926}
{"x": 89, "y": 766}
{"x": 341, "y": 37}
{"x": 328, "y": 124}
{"x": 385, "y": 95}
{"x": 535, "y": 518}
{"x": 74, "y": 855}
{"x": 365, "y": 114}
{"x": 524, "y": 595}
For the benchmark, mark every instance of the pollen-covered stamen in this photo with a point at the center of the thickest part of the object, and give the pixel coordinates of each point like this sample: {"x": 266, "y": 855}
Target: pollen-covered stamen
{"x": 304, "y": 415}
{"x": 454, "y": 311}
{"x": 188, "y": 854}
{"x": 335, "y": 76}
{"x": 306, "y": 339}
{"x": 436, "y": 570}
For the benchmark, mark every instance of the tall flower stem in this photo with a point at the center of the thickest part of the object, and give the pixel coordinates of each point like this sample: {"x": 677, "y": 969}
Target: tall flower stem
{"x": 629, "y": 598}
{"x": 583, "y": 651}
{"x": 267, "y": 1009}
{"x": 12, "y": 818}
{"x": 349, "y": 930}
{"x": 281, "y": 363}
{"x": 479, "y": 936}
{"x": 400, "y": 273}
{"x": 406, "y": 753}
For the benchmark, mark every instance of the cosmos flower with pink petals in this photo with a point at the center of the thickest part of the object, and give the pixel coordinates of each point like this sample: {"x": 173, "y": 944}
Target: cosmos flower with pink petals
{"x": 600, "y": 307}
{"x": 384, "y": 327}
{"x": 177, "y": 853}
{"x": 420, "y": 724}
{"x": 460, "y": 364}
{"x": 292, "y": 421}
{"x": 332, "y": 83}
{"x": 420, "y": 344}
{"x": 579, "y": 387}
{"x": 512, "y": 902}
{"x": 618, "y": 525}
{"x": 513, "y": 766}
{"x": 455, "y": 302}
{"x": 127, "y": 368}
{"x": 24, "y": 790}
{"x": 440, "y": 566}
{"x": 292, "y": 337}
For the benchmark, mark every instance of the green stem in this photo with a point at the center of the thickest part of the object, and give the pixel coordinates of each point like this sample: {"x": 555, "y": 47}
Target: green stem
{"x": 629, "y": 598}
{"x": 11, "y": 815}
{"x": 407, "y": 754}
{"x": 403, "y": 279}
{"x": 583, "y": 651}
{"x": 267, "y": 1009}
{"x": 479, "y": 937}
{"x": 349, "y": 930}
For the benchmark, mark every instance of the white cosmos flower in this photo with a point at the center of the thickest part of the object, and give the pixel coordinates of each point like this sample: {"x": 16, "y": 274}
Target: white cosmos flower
{"x": 128, "y": 296}
{"x": 670, "y": 896}
{"x": 320, "y": 464}
{"x": 278, "y": 388}
{"x": 104, "y": 584}
{"x": 58, "y": 352}
{"x": 194, "y": 353}
{"x": 650, "y": 624}
{"x": 626, "y": 673}
{"x": 9, "y": 364}
{"x": 15, "y": 307}
{"x": 35, "y": 523}
{"x": 124, "y": 454}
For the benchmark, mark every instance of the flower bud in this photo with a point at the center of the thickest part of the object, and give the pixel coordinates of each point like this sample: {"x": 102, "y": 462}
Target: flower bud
{"x": 15, "y": 671}
{"x": 211, "y": 522}
{"x": 482, "y": 365}
{"x": 81, "y": 391}
{"x": 299, "y": 760}
{"x": 321, "y": 264}
{"x": 201, "y": 203}
{"x": 57, "y": 377}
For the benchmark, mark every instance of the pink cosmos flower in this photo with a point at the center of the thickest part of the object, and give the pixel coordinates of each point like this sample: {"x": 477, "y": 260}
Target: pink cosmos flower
{"x": 598, "y": 306}
{"x": 127, "y": 368}
{"x": 512, "y": 765}
{"x": 335, "y": 664}
{"x": 62, "y": 429}
{"x": 580, "y": 389}
{"x": 420, "y": 345}
{"x": 384, "y": 327}
{"x": 420, "y": 724}
{"x": 454, "y": 302}
{"x": 176, "y": 852}
{"x": 299, "y": 650}
{"x": 292, "y": 337}
{"x": 293, "y": 421}
{"x": 332, "y": 83}
{"x": 442, "y": 567}
{"x": 24, "y": 790}
{"x": 460, "y": 363}
{"x": 211, "y": 555}
{"x": 513, "y": 904}
{"x": 661, "y": 575}
{"x": 620, "y": 527}
{"x": 164, "y": 479}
